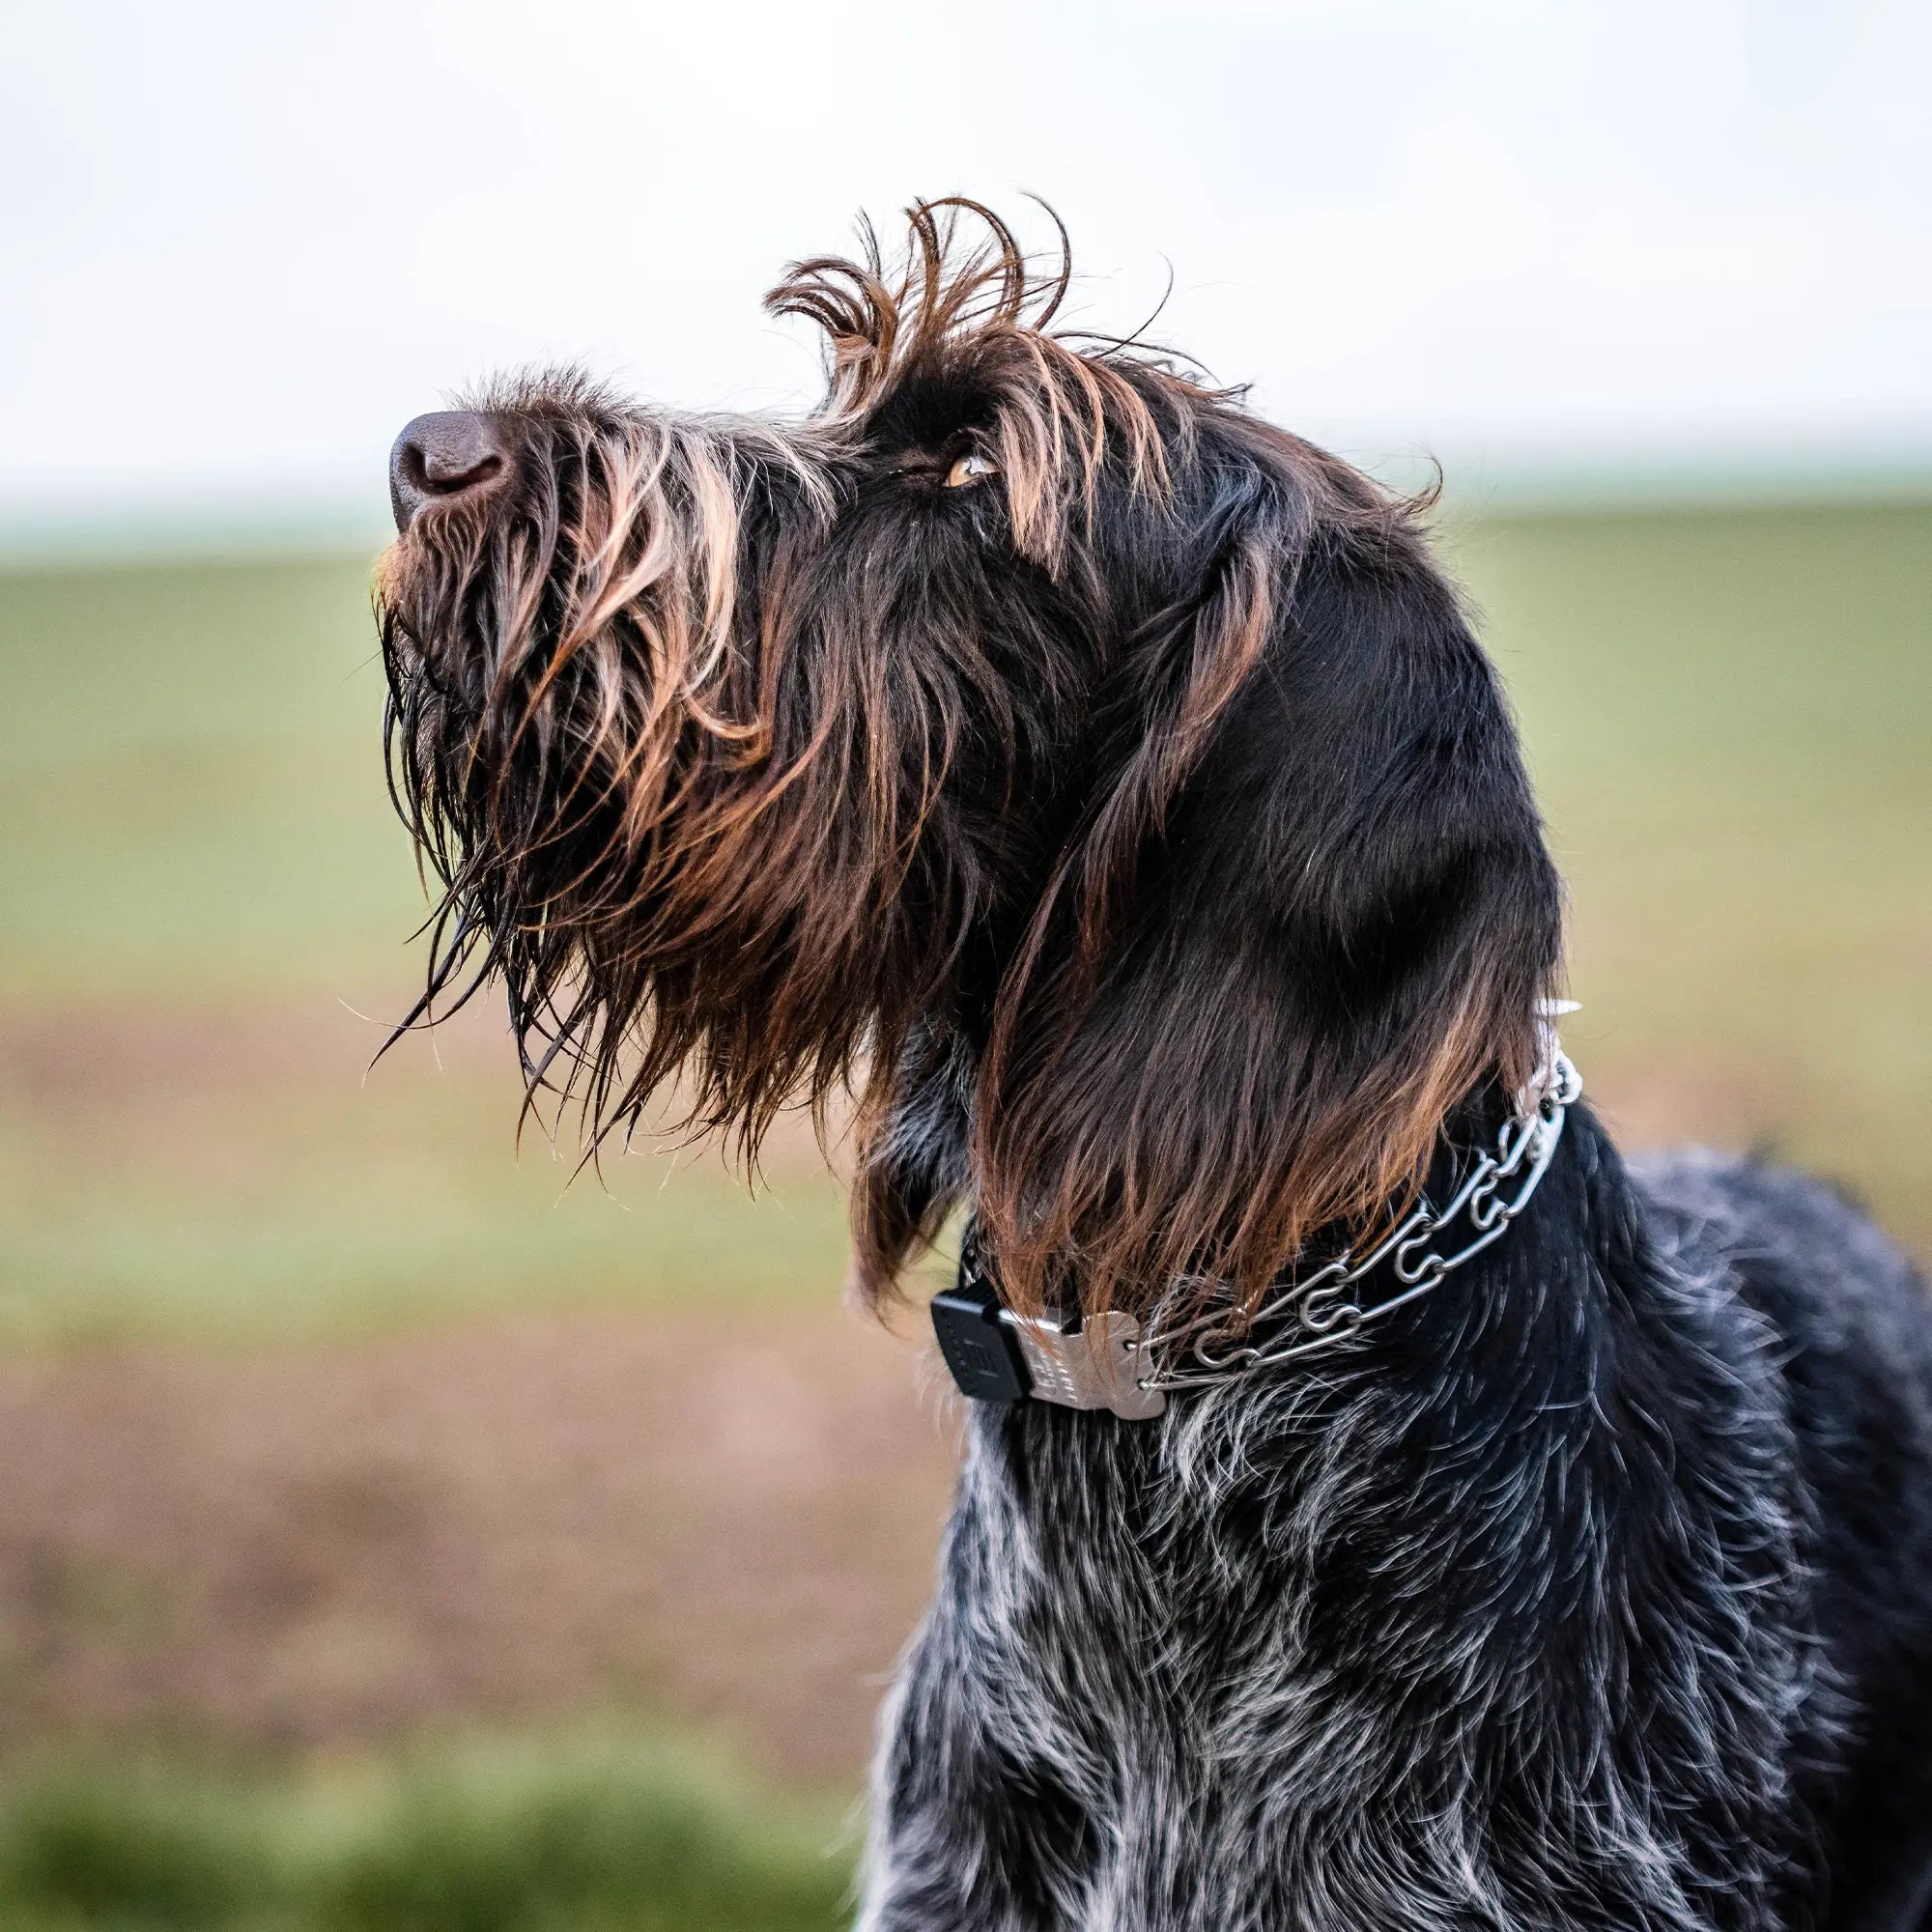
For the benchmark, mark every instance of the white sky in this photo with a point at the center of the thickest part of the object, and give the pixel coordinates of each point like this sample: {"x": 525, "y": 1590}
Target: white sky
{"x": 241, "y": 241}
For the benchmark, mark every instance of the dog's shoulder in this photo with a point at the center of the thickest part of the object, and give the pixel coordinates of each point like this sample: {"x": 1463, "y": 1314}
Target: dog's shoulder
{"x": 1849, "y": 1323}
{"x": 1851, "y": 1313}
{"x": 1803, "y": 1249}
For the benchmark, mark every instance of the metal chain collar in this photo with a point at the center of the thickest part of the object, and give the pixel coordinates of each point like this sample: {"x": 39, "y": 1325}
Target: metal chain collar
{"x": 1213, "y": 1345}
{"x": 1112, "y": 1361}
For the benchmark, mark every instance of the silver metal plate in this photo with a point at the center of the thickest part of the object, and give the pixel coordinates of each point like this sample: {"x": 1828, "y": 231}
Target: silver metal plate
{"x": 1095, "y": 1366}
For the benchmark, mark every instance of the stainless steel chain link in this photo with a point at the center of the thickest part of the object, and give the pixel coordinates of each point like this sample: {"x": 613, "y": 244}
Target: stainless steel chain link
{"x": 1209, "y": 1346}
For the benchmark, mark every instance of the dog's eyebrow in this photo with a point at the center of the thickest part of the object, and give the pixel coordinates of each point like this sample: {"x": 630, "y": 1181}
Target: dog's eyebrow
{"x": 931, "y": 410}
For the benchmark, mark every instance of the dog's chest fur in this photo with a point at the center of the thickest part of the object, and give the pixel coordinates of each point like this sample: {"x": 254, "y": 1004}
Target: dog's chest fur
{"x": 1502, "y": 1622}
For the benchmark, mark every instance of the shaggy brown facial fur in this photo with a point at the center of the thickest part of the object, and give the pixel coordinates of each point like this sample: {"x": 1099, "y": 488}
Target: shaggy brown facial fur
{"x": 1098, "y": 780}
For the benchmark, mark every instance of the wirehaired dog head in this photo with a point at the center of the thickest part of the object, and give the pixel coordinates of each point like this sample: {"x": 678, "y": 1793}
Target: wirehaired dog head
{"x": 1100, "y": 782}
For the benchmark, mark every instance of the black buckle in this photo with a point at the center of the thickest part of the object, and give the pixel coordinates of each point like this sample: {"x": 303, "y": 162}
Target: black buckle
{"x": 983, "y": 1352}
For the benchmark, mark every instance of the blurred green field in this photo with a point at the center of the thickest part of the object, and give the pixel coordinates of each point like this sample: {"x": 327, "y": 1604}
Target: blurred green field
{"x": 204, "y": 912}
{"x": 1729, "y": 714}
{"x": 554, "y": 1833}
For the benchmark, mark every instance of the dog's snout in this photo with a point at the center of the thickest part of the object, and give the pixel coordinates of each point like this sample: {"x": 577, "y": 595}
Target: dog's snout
{"x": 441, "y": 456}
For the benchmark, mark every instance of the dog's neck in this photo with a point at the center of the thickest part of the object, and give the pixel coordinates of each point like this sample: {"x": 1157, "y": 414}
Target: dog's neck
{"x": 1199, "y": 1338}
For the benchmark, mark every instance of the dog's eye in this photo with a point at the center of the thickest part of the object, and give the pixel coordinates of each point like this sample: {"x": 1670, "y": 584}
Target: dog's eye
{"x": 969, "y": 468}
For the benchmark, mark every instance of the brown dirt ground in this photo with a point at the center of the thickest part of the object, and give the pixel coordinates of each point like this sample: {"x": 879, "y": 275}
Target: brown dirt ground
{"x": 732, "y": 1524}
{"x": 727, "y": 1516}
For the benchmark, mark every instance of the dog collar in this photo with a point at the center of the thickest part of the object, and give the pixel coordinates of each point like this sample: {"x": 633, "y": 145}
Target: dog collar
{"x": 1110, "y": 1362}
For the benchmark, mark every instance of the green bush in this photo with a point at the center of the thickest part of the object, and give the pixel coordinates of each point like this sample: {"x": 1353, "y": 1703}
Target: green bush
{"x": 534, "y": 1837}
{"x": 114, "y": 1850}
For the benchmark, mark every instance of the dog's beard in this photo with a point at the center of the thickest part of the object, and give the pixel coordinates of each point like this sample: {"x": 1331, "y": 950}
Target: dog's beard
{"x": 671, "y": 817}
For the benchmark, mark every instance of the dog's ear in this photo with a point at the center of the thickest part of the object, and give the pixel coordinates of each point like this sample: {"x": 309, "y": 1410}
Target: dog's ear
{"x": 1310, "y": 911}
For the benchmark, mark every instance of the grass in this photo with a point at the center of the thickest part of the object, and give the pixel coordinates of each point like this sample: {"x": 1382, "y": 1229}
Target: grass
{"x": 536, "y": 1834}
{"x": 1729, "y": 714}
{"x": 292, "y": 1205}
{"x": 204, "y": 887}
{"x": 191, "y": 754}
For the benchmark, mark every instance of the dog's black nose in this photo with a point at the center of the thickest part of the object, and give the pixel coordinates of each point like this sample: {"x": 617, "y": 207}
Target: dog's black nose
{"x": 446, "y": 454}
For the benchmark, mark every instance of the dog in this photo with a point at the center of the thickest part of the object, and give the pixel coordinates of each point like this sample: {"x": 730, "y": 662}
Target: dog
{"x": 1382, "y": 1506}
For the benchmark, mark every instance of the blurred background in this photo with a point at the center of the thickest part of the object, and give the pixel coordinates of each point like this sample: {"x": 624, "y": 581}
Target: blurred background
{"x": 394, "y": 1536}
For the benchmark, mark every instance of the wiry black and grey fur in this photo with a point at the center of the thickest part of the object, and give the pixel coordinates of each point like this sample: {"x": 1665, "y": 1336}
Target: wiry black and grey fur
{"x": 1107, "y": 786}
{"x": 1592, "y": 1592}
